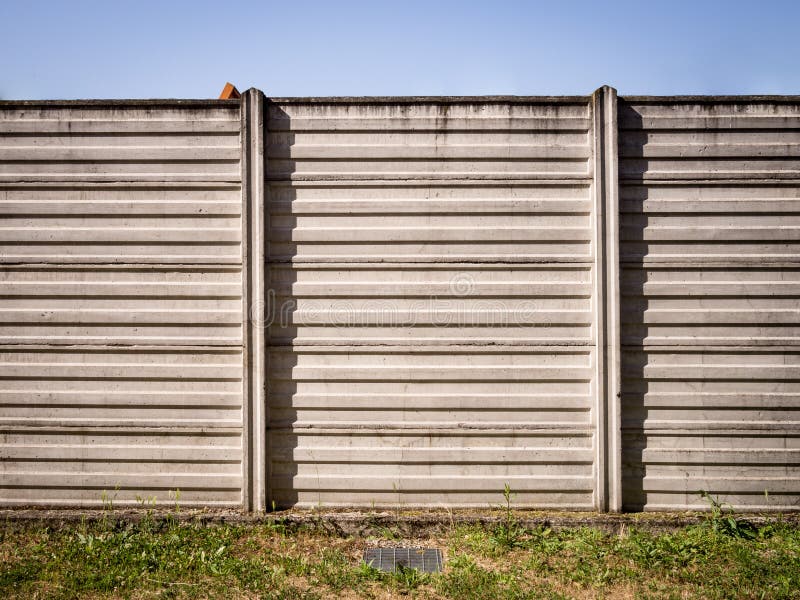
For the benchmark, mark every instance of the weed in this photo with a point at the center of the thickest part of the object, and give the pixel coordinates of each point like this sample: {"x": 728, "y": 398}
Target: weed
{"x": 508, "y": 533}
{"x": 399, "y": 504}
{"x": 387, "y": 533}
{"x": 366, "y": 572}
{"x": 409, "y": 579}
{"x": 722, "y": 519}
{"x": 108, "y": 499}
{"x": 146, "y": 502}
{"x": 176, "y": 496}
{"x": 669, "y": 550}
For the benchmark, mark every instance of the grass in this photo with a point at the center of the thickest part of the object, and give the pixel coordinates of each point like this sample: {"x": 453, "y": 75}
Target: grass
{"x": 723, "y": 557}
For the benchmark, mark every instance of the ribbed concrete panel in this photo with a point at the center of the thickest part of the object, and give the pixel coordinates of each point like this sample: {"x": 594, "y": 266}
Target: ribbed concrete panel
{"x": 121, "y": 311}
{"x": 430, "y": 266}
{"x": 710, "y": 209}
{"x": 158, "y": 142}
{"x": 121, "y": 305}
{"x": 446, "y": 303}
{"x": 132, "y": 224}
{"x": 462, "y": 141}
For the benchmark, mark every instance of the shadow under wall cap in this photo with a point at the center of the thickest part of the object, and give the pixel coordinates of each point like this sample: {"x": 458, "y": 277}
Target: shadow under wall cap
{"x": 229, "y": 92}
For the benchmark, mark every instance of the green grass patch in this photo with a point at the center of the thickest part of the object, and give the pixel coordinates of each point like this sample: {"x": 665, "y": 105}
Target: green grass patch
{"x": 723, "y": 557}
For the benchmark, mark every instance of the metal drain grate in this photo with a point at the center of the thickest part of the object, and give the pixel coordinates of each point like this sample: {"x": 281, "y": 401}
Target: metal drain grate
{"x": 427, "y": 560}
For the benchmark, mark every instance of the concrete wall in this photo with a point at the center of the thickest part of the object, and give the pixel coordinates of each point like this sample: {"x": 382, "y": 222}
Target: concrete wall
{"x": 121, "y": 310}
{"x": 401, "y": 301}
{"x": 432, "y": 263}
{"x": 710, "y": 295}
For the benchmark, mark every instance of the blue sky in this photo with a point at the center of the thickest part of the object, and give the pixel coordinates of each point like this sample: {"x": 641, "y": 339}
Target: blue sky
{"x": 189, "y": 49}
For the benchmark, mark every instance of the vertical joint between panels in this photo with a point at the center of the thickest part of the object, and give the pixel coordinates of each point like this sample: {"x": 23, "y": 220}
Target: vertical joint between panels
{"x": 254, "y": 306}
{"x": 613, "y": 309}
{"x": 606, "y": 302}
